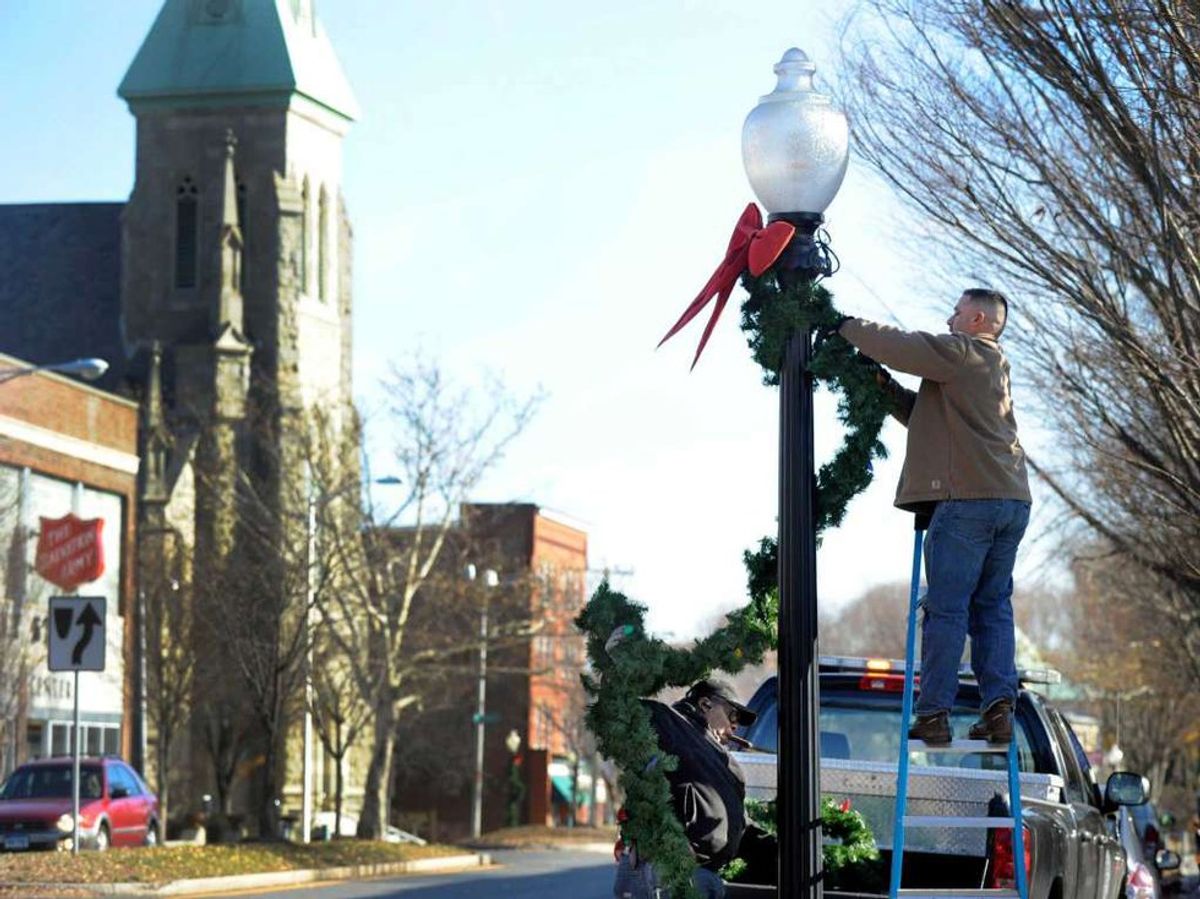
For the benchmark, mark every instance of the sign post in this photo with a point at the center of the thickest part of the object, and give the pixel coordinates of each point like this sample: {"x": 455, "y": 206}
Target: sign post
{"x": 77, "y": 643}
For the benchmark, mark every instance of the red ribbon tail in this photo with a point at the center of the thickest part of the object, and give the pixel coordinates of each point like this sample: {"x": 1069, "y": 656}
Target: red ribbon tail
{"x": 722, "y": 299}
{"x": 706, "y": 293}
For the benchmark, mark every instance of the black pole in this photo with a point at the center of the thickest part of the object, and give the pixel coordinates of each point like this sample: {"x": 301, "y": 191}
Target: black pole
{"x": 799, "y": 785}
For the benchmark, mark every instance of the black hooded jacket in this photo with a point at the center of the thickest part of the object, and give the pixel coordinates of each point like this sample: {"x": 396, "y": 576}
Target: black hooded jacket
{"x": 708, "y": 790}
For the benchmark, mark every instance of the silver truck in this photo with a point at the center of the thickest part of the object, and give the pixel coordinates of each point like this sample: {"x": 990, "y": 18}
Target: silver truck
{"x": 1071, "y": 848}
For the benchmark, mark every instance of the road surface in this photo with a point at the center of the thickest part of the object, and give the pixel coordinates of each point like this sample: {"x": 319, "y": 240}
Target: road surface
{"x": 525, "y": 874}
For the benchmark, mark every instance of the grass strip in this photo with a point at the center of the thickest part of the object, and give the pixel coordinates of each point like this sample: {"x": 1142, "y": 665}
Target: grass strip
{"x": 165, "y": 864}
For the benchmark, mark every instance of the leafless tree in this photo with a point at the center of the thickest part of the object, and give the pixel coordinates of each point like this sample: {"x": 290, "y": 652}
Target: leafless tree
{"x": 871, "y": 625}
{"x": 1052, "y": 149}
{"x": 445, "y": 439}
{"x": 165, "y": 597}
{"x": 1137, "y": 674}
{"x": 339, "y": 714}
{"x": 258, "y": 605}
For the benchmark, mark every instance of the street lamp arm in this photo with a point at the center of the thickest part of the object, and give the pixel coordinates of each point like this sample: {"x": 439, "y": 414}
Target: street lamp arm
{"x": 87, "y": 368}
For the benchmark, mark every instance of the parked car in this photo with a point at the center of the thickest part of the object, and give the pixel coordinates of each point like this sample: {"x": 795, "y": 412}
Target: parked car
{"x": 1143, "y": 879}
{"x": 1145, "y": 822}
{"x": 1071, "y": 851}
{"x": 116, "y": 808}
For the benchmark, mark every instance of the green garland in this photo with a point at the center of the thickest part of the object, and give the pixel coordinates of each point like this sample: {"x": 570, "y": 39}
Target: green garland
{"x": 849, "y": 848}
{"x": 639, "y": 665}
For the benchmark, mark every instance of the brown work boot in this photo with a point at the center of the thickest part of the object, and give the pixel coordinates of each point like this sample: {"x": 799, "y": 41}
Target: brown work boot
{"x": 995, "y": 723}
{"x": 933, "y": 728}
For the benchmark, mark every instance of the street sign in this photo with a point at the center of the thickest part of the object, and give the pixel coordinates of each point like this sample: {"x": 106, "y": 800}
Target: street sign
{"x": 485, "y": 718}
{"x": 77, "y": 638}
{"x": 70, "y": 551}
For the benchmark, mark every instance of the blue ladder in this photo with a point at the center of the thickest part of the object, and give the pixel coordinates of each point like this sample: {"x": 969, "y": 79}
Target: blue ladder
{"x": 904, "y": 820}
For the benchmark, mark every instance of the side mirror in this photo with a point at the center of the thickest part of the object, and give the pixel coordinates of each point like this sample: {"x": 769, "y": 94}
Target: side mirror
{"x": 1166, "y": 860}
{"x": 1124, "y": 788}
{"x": 118, "y": 793}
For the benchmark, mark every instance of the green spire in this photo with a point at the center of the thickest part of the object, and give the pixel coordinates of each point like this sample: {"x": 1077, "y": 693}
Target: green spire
{"x": 205, "y": 53}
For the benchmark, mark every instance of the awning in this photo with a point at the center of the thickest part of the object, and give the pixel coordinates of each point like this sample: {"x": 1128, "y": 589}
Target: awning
{"x": 562, "y": 791}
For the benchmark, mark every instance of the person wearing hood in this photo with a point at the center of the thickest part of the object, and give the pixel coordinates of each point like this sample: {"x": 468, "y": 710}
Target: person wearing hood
{"x": 708, "y": 789}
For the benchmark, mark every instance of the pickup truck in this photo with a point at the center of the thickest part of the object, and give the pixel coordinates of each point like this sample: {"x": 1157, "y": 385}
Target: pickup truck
{"x": 1071, "y": 847}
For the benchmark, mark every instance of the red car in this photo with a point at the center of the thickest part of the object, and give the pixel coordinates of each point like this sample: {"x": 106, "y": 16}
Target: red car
{"x": 116, "y": 808}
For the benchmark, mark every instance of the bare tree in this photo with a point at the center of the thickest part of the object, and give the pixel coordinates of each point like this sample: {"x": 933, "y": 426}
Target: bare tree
{"x": 871, "y": 625}
{"x": 339, "y": 714}
{"x": 258, "y": 607}
{"x": 1052, "y": 149}
{"x": 170, "y": 654}
{"x": 445, "y": 440}
{"x": 1137, "y": 674}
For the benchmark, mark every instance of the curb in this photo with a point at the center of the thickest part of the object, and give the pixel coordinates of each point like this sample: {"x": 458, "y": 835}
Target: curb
{"x": 437, "y": 864}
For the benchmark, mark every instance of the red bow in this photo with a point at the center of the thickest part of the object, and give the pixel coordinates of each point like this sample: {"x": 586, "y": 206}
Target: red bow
{"x": 751, "y": 246}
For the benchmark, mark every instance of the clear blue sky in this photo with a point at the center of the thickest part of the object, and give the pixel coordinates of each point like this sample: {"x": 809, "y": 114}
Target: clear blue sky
{"x": 539, "y": 188}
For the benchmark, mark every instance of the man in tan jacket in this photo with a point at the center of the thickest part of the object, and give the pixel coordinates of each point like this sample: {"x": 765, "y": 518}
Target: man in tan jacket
{"x": 965, "y": 468}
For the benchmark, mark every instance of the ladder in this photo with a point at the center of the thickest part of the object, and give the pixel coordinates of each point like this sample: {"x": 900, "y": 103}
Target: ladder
{"x": 903, "y": 820}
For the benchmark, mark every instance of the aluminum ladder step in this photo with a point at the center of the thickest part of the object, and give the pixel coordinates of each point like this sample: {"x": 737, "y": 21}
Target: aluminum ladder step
{"x": 957, "y": 746}
{"x": 918, "y": 893}
{"x": 954, "y": 821}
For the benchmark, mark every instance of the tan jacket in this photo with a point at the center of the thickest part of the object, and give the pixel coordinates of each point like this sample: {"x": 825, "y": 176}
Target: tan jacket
{"x": 962, "y": 435}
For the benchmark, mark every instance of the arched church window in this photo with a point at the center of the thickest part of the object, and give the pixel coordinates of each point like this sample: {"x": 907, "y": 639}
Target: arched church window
{"x": 187, "y": 226}
{"x": 305, "y": 237}
{"x": 323, "y": 245}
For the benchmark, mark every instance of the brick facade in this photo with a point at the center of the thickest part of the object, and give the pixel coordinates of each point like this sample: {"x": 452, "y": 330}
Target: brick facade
{"x": 56, "y": 428}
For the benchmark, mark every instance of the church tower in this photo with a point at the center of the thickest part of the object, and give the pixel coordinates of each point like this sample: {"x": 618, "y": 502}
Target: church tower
{"x": 263, "y": 70}
{"x": 235, "y": 274}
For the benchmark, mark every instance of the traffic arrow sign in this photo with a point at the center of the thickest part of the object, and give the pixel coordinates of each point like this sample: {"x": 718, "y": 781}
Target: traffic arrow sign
{"x": 77, "y": 639}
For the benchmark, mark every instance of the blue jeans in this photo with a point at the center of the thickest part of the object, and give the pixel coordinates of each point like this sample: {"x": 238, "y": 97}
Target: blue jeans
{"x": 970, "y": 549}
{"x": 641, "y": 882}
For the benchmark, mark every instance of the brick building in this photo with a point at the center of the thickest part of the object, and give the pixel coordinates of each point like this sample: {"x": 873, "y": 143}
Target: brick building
{"x": 533, "y": 688}
{"x": 65, "y": 447}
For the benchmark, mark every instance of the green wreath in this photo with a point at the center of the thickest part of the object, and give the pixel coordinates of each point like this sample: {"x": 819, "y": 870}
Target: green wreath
{"x": 849, "y": 850}
{"x": 638, "y": 665}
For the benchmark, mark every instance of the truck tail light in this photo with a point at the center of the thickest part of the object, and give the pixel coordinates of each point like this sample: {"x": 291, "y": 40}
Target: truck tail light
{"x": 1002, "y": 874}
{"x": 1140, "y": 884}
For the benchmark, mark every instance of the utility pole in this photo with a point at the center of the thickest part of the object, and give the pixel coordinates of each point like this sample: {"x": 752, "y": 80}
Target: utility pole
{"x": 490, "y": 580}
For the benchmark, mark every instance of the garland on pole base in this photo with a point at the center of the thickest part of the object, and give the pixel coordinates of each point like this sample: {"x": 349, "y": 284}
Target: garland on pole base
{"x": 627, "y": 665}
{"x": 636, "y": 665}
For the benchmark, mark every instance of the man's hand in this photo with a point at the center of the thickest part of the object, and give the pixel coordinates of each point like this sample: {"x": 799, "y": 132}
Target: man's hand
{"x": 618, "y": 634}
{"x": 822, "y": 333}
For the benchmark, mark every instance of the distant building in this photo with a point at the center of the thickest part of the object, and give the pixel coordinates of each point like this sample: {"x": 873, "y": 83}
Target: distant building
{"x": 220, "y": 294}
{"x": 533, "y": 688}
{"x": 65, "y": 448}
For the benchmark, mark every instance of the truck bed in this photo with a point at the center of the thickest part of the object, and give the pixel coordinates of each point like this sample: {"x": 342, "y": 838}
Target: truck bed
{"x": 871, "y": 789}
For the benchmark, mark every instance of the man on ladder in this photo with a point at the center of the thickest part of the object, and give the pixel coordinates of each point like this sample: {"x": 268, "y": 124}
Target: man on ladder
{"x": 963, "y": 468}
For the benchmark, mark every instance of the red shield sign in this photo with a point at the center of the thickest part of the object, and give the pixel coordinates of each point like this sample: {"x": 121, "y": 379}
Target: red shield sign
{"x": 69, "y": 551}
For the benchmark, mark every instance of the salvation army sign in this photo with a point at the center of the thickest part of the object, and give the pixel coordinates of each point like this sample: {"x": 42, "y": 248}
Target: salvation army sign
{"x": 69, "y": 551}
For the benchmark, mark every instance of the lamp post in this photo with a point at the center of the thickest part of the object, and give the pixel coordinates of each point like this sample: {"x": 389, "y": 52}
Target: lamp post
{"x": 795, "y": 148}
{"x": 89, "y": 369}
{"x": 516, "y": 788}
{"x": 490, "y": 580}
